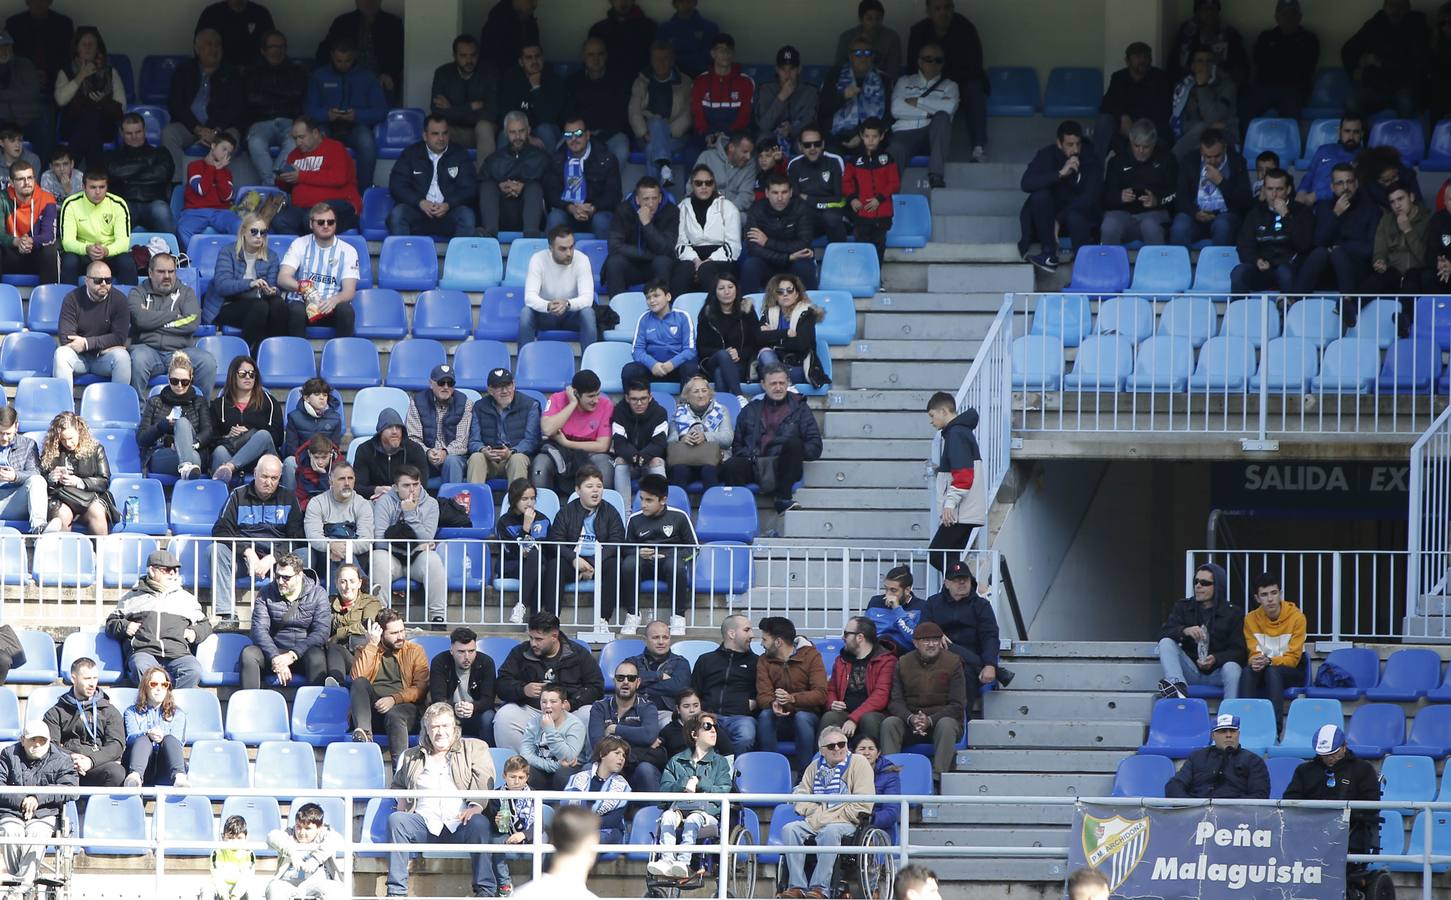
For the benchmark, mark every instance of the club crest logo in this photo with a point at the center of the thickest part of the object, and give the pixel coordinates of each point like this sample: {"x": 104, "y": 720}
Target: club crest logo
{"x": 1115, "y": 846}
{"x": 667, "y": 530}
{"x": 453, "y": 171}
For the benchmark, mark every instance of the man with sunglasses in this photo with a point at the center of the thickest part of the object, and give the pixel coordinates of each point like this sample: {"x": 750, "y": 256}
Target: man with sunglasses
{"x": 1202, "y": 641}
{"x": 291, "y": 622}
{"x": 834, "y": 770}
{"x": 319, "y": 276}
{"x": 165, "y": 314}
{"x": 632, "y": 718}
{"x": 318, "y": 170}
{"x": 160, "y": 623}
{"x": 858, "y": 90}
{"x": 92, "y": 330}
{"x": 818, "y": 176}
{"x": 962, "y": 61}
{"x": 923, "y": 105}
{"x": 582, "y": 184}
{"x": 929, "y": 699}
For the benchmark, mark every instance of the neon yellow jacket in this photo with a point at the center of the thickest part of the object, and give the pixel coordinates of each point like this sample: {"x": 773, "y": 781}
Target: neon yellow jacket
{"x": 83, "y": 223}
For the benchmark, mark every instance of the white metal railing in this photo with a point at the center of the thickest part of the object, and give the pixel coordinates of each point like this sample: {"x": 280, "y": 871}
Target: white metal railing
{"x": 1428, "y": 536}
{"x": 1159, "y": 354}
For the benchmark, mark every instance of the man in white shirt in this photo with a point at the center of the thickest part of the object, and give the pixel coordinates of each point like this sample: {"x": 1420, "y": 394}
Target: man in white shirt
{"x": 319, "y": 275}
{"x": 454, "y": 765}
{"x": 559, "y": 291}
{"x": 923, "y": 105}
{"x": 575, "y": 834}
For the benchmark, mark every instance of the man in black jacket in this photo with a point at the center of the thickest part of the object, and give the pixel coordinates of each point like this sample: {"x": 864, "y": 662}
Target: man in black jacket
{"x": 1213, "y": 194}
{"x": 547, "y": 658}
{"x": 641, "y": 430}
{"x": 202, "y": 108}
{"x": 463, "y": 678}
{"x": 778, "y": 237}
{"x": 1284, "y": 58}
{"x": 1202, "y": 641}
{"x": 35, "y": 762}
{"x": 537, "y": 90}
{"x": 967, "y": 619}
{"x": 725, "y": 679}
{"x": 1224, "y": 770}
{"x": 1273, "y": 239}
{"x": 378, "y": 36}
{"x": 962, "y": 46}
{"x": 600, "y": 94}
{"x": 1138, "y": 189}
{"x": 642, "y": 239}
{"x": 466, "y": 94}
{"x": 1336, "y": 773}
{"x": 574, "y": 558}
{"x": 1062, "y": 183}
{"x": 85, "y": 724}
{"x": 160, "y": 623}
{"x": 663, "y": 543}
{"x": 1140, "y": 90}
{"x": 764, "y": 431}
{"x": 433, "y": 185}
{"x": 818, "y": 176}
{"x": 1344, "y": 235}
{"x": 257, "y": 520}
{"x": 511, "y": 182}
{"x": 582, "y": 183}
{"x": 379, "y": 457}
{"x": 141, "y": 175}
{"x": 275, "y": 88}
{"x": 1388, "y": 58}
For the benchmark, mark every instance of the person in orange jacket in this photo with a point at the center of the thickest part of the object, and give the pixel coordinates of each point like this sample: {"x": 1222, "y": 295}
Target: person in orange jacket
{"x": 390, "y": 680}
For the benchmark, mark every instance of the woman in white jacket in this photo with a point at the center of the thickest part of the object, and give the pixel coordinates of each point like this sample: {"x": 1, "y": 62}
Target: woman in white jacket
{"x": 710, "y": 235}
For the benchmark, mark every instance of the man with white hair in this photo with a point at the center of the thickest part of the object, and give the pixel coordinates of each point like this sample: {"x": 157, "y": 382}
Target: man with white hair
{"x": 36, "y": 762}
{"x": 835, "y": 770}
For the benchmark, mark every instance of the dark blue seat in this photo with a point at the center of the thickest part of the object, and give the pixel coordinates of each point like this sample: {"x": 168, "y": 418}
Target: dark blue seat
{"x": 39, "y": 400}
{"x": 373, "y": 222}
{"x": 1177, "y": 728}
{"x": 596, "y": 249}
{"x": 1430, "y": 733}
{"x": 365, "y": 260}
{"x": 1100, "y": 270}
{"x": 350, "y": 363}
{"x": 1438, "y": 155}
{"x": 286, "y": 361}
{"x": 121, "y": 449}
{"x": 400, "y": 128}
{"x": 1411, "y": 365}
{"x": 410, "y": 362}
{"x": 196, "y": 504}
{"x": 722, "y": 568}
{"x": 1374, "y": 729}
{"x": 1409, "y": 674}
{"x": 1406, "y": 135}
{"x": 408, "y": 263}
{"x": 481, "y": 510}
{"x": 445, "y": 315}
{"x": 727, "y": 514}
{"x": 1013, "y": 91}
{"x": 1142, "y": 776}
{"x": 473, "y": 360}
{"x": 499, "y": 313}
{"x": 224, "y": 348}
{"x": 1282, "y": 770}
{"x": 150, "y": 502}
{"x": 762, "y": 772}
{"x": 1363, "y": 665}
{"x": 380, "y": 314}
{"x": 43, "y": 309}
{"x": 1073, "y": 91}
{"x": 472, "y": 264}
{"x": 1328, "y": 94}
{"x": 545, "y": 366}
{"x": 154, "y": 86}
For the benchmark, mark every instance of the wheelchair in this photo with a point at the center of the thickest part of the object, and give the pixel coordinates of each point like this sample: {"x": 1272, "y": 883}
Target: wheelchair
{"x": 870, "y": 874}
{"x": 57, "y": 863}
{"x": 740, "y": 880}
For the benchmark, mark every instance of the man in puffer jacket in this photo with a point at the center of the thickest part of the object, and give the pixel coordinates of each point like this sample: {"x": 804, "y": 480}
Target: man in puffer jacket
{"x": 779, "y": 231}
{"x": 85, "y": 724}
{"x": 1224, "y": 770}
{"x": 34, "y": 762}
{"x": 777, "y": 426}
{"x": 160, "y": 623}
{"x": 291, "y": 623}
{"x": 164, "y": 317}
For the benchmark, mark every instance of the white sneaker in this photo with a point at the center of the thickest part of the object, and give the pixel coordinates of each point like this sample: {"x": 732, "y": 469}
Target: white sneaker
{"x": 631, "y": 626}
{"x": 517, "y": 616}
{"x": 187, "y": 470}
{"x": 133, "y": 779}
{"x": 979, "y": 154}
{"x": 667, "y": 177}
{"x": 182, "y": 780}
{"x": 660, "y": 866}
{"x": 602, "y": 626}
{"x": 677, "y": 625}
{"x": 678, "y": 870}
{"x": 52, "y": 526}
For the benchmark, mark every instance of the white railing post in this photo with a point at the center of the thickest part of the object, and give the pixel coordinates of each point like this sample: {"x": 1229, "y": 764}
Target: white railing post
{"x": 1429, "y": 450}
{"x": 1335, "y": 585}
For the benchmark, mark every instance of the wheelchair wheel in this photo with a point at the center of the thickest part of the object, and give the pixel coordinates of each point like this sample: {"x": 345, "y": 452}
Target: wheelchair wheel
{"x": 742, "y": 875}
{"x": 876, "y": 867}
{"x": 663, "y": 891}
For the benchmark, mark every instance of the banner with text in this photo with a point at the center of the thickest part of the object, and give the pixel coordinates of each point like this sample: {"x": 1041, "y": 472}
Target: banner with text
{"x": 1212, "y": 851}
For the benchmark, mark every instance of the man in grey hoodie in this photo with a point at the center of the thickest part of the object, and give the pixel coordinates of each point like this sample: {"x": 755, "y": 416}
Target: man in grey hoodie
{"x": 164, "y": 317}
{"x": 733, "y": 164}
{"x": 404, "y": 519}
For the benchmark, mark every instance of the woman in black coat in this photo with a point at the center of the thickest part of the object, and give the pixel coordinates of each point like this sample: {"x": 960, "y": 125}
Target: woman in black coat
{"x": 727, "y": 335}
{"x": 176, "y": 426}
{"x": 246, "y": 421}
{"x": 77, "y": 477}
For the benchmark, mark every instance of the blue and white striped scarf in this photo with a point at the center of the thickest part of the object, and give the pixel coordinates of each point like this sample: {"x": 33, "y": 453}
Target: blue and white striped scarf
{"x": 710, "y": 420}
{"x": 872, "y": 101}
{"x": 830, "y": 779}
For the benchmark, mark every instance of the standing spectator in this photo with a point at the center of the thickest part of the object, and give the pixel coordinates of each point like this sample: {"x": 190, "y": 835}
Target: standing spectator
{"x": 62, "y": 178}
{"x": 1284, "y": 58}
{"x": 923, "y": 105}
{"x": 627, "y": 34}
{"x": 872, "y": 177}
{"x": 961, "y": 493}
{"x": 90, "y": 96}
{"x": 779, "y": 232}
{"x": 1140, "y": 90}
{"x": 1345, "y": 227}
{"x": 247, "y": 423}
{"x": 243, "y": 292}
{"x": 511, "y": 181}
{"x": 664, "y": 541}
{"x": 727, "y": 335}
{"x": 1203, "y": 99}
{"x": 209, "y": 193}
{"x": 599, "y": 94}
{"x": 587, "y": 532}
{"x": 582, "y": 183}
{"x": 43, "y": 35}
{"x": 709, "y": 242}
{"x": 434, "y": 185}
{"x": 405, "y": 521}
{"x": 275, "y": 88}
{"x": 775, "y": 436}
{"x": 160, "y": 624}
{"x": 242, "y": 25}
{"x": 536, "y": 90}
{"x": 691, "y": 34}
{"x": 92, "y": 329}
{"x": 790, "y": 688}
{"x": 785, "y": 106}
{"x": 31, "y": 220}
{"x": 642, "y": 239}
{"x": 256, "y": 523}
{"x": 142, "y": 176}
{"x": 504, "y": 431}
{"x": 1063, "y": 184}
{"x": 1208, "y": 626}
{"x": 664, "y": 345}
{"x": 85, "y": 724}
{"x": 465, "y": 95}
{"x": 885, "y": 44}
{"x": 833, "y": 770}
{"x": 720, "y": 98}
{"x": 338, "y": 525}
{"x": 155, "y": 733}
{"x": 1388, "y": 58}
{"x": 95, "y": 227}
{"x": 861, "y": 682}
{"x": 349, "y": 98}
{"x": 788, "y": 331}
{"x": 546, "y": 658}
{"x": 559, "y": 290}
{"x": 1138, "y": 189}
{"x": 317, "y": 171}
{"x": 207, "y": 98}
{"x": 308, "y": 858}
{"x": 1224, "y": 770}
{"x": 1274, "y": 635}
{"x": 23, "y": 99}
{"x": 659, "y": 111}
{"x": 1213, "y": 194}
{"x": 633, "y": 720}
{"x": 701, "y": 433}
{"x": 353, "y": 611}
{"x": 730, "y": 161}
{"x": 36, "y": 763}
{"x": 929, "y": 699}
{"x": 291, "y": 622}
{"x": 463, "y": 677}
{"x": 663, "y": 675}
{"x": 962, "y": 64}
{"x": 697, "y": 769}
{"x": 1316, "y": 185}
{"x": 319, "y": 272}
{"x": 1398, "y": 262}
{"x": 509, "y": 28}
{"x": 390, "y": 680}
{"x": 1207, "y": 29}
{"x": 377, "y": 37}
{"x": 819, "y": 177}
{"x": 440, "y": 420}
{"x": 967, "y": 620}
{"x": 855, "y": 93}
{"x": 725, "y": 679}
{"x": 520, "y": 529}
{"x": 1274, "y": 237}
{"x": 382, "y": 456}
{"x": 22, "y": 487}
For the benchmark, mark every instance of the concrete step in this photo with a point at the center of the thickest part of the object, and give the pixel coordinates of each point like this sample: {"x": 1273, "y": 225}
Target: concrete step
{"x": 1026, "y": 784}
{"x": 968, "y": 328}
{"x": 1053, "y": 706}
{"x": 863, "y": 474}
{"x": 944, "y": 251}
{"x": 1013, "y": 733}
{"x": 850, "y": 496}
{"x": 981, "y": 176}
{"x": 947, "y": 277}
{"x": 876, "y": 398}
{"x": 870, "y": 424}
{"x": 990, "y": 837}
{"x": 1002, "y": 814}
{"x": 972, "y": 229}
{"x": 856, "y": 525}
{"x": 907, "y": 350}
{"x": 1063, "y": 676}
{"x": 1035, "y": 761}
{"x": 951, "y": 304}
{"x": 1087, "y": 650}
{"x": 880, "y": 449}
{"x": 935, "y": 376}
{"x": 976, "y": 202}
{"x": 1044, "y": 877}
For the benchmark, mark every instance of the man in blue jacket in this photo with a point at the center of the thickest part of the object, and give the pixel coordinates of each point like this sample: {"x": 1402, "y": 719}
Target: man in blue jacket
{"x": 1344, "y": 235}
{"x": 256, "y": 522}
{"x": 350, "y": 101}
{"x": 967, "y": 619}
{"x": 1320, "y": 176}
{"x": 664, "y": 347}
{"x": 505, "y": 433}
{"x": 1062, "y": 183}
{"x": 434, "y": 186}
{"x": 291, "y": 621}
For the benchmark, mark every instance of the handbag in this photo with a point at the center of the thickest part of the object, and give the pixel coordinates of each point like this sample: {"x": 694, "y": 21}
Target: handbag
{"x": 765, "y": 467}
{"x": 10, "y": 643}
{"x": 682, "y": 454}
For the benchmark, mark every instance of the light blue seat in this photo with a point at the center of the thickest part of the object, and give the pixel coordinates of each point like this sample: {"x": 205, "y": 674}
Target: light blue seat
{"x": 1037, "y": 362}
{"x": 722, "y": 568}
{"x": 39, "y": 400}
{"x": 10, "y": 724}
{"x": 1162, "y": 271}
{"x": 606, "y": 359}
{"x": 66, "y": 559}
{"x": 150, "y": 501}
{"x": 1104, "y": 361}
{"x": 474, "y": 360}
{"x": 1406, "y": 135}
{"x": 481, "y": 510}
{"x": 195, "y": 555}
{"x": 1411, "y": 365}
{"x": 40, "y": 659}
{"x": 121, "y": 558}
{"x": 408, "y": 263}
{"x": 1438, "y": 155}
{"x": 616, "y": 652}
{"x": 1257, "y": 729}
{"x": 1409, "y": 674}
{"x": 410, "y": 361}
{"x": 320, "y": 715}
{"x": 350, "y": 363}
{"x": 911, "y": 221}
{"x": 1142, "y": 776}
{"x": 1408, "y": 778}
{"x": 1328, "y": 93}
{"x": 121, "y": 450}
{"x": 472, "y": 264}
{"x": 1304, "y": 718}
{"x": 1100, "y": 270}
{"x": 692, "y": 651}
{"x": 1286, "y": 366}
{"x": 1314, "y": 319}
{"x": 1377, "y": 322}
{"x": 1162, "y": 364}
{"x": 369, "y": 402}
{"x": 1189, "y": 316}
{"x": 224, "y": 348}
{"x": 12, "y": 313}
{"x": 258, "y": 715}
{"x": 196, "y": 504}
{"x": 106, "y": 404}
{"x": 1126, "y": 315}
{"x": 545, "y": 366}
{"x": 629, "y": 306}
{"x": 444, "y": 315}
{"x": 285, "y": 766}
{"x": 219, "y": 767}
{"x": 25, "y": 355}
{"x": 203, "y": 714}
{"x": 380, "y": 314}
{"x": 286, "y": 361}
{"x": 41, "y": 699}
{"x": 1375, "y": 728}
{"x": 433, "y": 645}
{"x": 691, "y": 304}
{"x": 499, "y": 313}
{"x": 516, "y": 267}
{"x": 727, "y": 514}
{"x": 1392, "y": 833}
{"x": 1440, "y": 841}
{"x": 852, "y": 268}
{"x": 262, "y": 815}
{"x": 14, "y": 564}
{"x": 838, "y": 328}
{"x": 1348, "y": 366}
{"x": 1430, "y": 733}
{"x": 1073, "y": 91}
{"x": 113, "y": 817}
{"x": 353, "y": 765}
{"x": 1068, "y": 317}
{"x": 1282, "y": 136}
{"x": 1253, "y": 317}
{"x": 1211, "y": 273}
{"x": 1177, "y": 727}
{"x": 1013, "y": 91}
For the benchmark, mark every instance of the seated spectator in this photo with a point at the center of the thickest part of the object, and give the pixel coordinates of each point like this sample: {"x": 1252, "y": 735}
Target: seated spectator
{"x": 700, "y": 435}
{"x": 232, "y": 868}
{"x": 511, "y": 181}
{"x": 309, "y": 855}
{"x": 466, "y": 95}
{"x": 1318, "y": 183}
{"x": 207, "y": 97}
{"x": 338, "y": 525}
{"x": 275, "y": 88}
{"x": 709, "y": 242}
{"x": 434, "y": 185}
{"x": 317, "y": 171}
{"x": 354, "y": 610}
{"x": 440, "y": 421}
{"x": 772, "y": 441}
{"x": 833, "y": 770}
{"x": 291, "y": 623}
{"x": 520, "y": 529}
{"x": 23, "y": 103}
{"x": 1208, "y": 626}
{"x": 896, "y": 610}
{"x": 1140, "y": 90}
{"x": 89, "y": 95}
{"x": 554, "y": 743}
{"x": 577, "y": 425}
{"x": 1380, "y": 169}
{"x": 860, "y": 686}
{"x": 1063, "y": 183}
{"x": 856, "y": 92}
{"x": 769, "y": 160}
{"x": 559, "y": 291}
{"x": 728, "y": 335}
{"x": 349, "y": 99}
{"x": 92, "y": 330}
{"x": 586, "y": 533}
{"x": 785, "y": 106}
{"x": 256, "y": 522}
{"x": 887, "y": 779}
{"x": 929, "y": 700}
{"x": 378, "y": 37}
{"x": 95, "y": 226}
{"x": 627, "y": 33}
{"x": 1207, "y": 29}
{"x": 598, "y": 93}
{"x": 1336, "y": 773}
{"x": 961, "y": 494}
{"x": 967, "y": 619}
{"x": 582, "y": 183}
{"x": 1274, "y": 635}
{"x": 547, "y": 658}
{"x": 85, "y": 724}
{"x": 1273, "y": 239}
{"x": 779, "y": 232}
{"x": 1205, "y": 98}
{"x": 627, "y": 717}
{"x": 31, "y": 219}
{"x": 1138, "y": 190}
{"x": 319, "y": 273}
{"x": 514, "y": 822}
{"x": 664, "y": 348}
{"x": 1345, "y": 227}
{"x": 790, "y": 688}
{"x": 725, "y": 679}
{"x": 1213, "y": 195}
{"x": 640, "y": 432}
{"x": 659, "y": 111}
{"x": 310, "y": 469}
{"x": 664, "y": 542}
{"x": 675, "y": 733}
{"x": 1398, "y": 262}
{"x": 720, "y": 98}
{"x": 962, "y": 64}
{"x": 176, "y": 426}
{"x": 642, "y": 239}
{"x": 788, "y": 330}
{"x": 604, "y": 773}
{"x": 390, "y": 680}
{"x": 159, "y": 624}
{"x": 142, "y": 175}
{"x": 503, "y": 431}
{"x": 1267, "y": 161}
{"x": 1388, "y": 58}
{"x": 923, "y": 105}
{"x": 872, "y": 177}
{"x": 698, "y": 769}
{"x": 536, "y": 90}
{"x": 165, "y": 315}
{"x": 819, "y": 176}
{"x": 62, "y": 178}
{"x": 36, "y": 763}
{"x": 1222, "y": 771}
{"x": 663, "y": 675}
{"x": 463, "y": 677}
{"x": 1438, "y": 275}
{"x": 155, "y": 733}
{"x": 22, "y": 487}
{"x": 381, "y": 456}
{"x": 319, "y": 411}
{"x": 690, "y": 34}
{"x": 405, "y": 520}
{"x": 78, "y": 478}
{"x": 1284, "y": 61}
{"x": 729, "y": 161}
{"x": 243, "y": 292}
{"x": 12, "y": 148}
{"x": 246, "y": 421}
{"x": 242, "y": 25}
{"x": 871, "y": 34}
{"x": 444, "y": 760}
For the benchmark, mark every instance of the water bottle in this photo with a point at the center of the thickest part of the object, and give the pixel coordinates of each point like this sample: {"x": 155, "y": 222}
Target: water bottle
{"x": 131, "y": 512}
{"x": 1203, "y": 649}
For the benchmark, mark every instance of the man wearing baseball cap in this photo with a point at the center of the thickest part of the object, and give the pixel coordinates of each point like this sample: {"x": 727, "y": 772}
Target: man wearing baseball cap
{"x": 505, "y": 432}
{"x": 786, "y": 105}
{"x": 160, "y": 623}
{"x": 1222, "y": 771}
{"x": 1336, "y": 773}
{"x": 971, "y": 627}
{"x": 440, "y": 420}
{"x": 929, "y": 699}
{"x": 35, "y": 762}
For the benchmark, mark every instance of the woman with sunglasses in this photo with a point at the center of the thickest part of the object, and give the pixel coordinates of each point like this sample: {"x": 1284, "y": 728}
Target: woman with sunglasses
{"x": 77, "y": 477}
{"x": 697, "y": 770}
{"x": 246, "y": 421}
{"x": 788, "y": 330}
{"x": 710, "y": 236}
{"x": 888, "y": 780}
{"x": 353, "y": 610}
{"x": 243, "y": 293}
{"x": 727, "y": 334}
{"x": 176, "y": 425}
{"x": 155, "y": 734}
{"x": 520, "y": 529}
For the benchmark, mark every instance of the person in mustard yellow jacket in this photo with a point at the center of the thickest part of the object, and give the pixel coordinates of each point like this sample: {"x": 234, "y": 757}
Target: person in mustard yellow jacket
{"x": 1275, "y": 636}
{"x": 390, "y": 680}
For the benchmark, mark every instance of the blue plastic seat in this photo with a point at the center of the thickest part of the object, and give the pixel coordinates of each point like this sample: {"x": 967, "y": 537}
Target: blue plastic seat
{"x": 499, "y": 313}
{"x": 155, "y": 117}
{"x": 350, "y": 363}
{"x": 43, "y": 308}
{"x": 40, "y": 659}
{"x": 1328, "y": 93}
{"x": 545, "y": 366}
{"x": 12, "y": 313}
{"x": 121, "y": 450}
{"x": 722, "y": 568}
{"x": 399, "y": 128}
{"x": 1177, "y": 727}
{"x": 1377, "y": 322}
{"x": 595, "y": 250}
{"x": 616, "y": 652}
{"x": 1104, "y": 361}
{"x": 472, "y": 264}
{"x": 691, "y": 304}
{"x": 1363, "y": 665}
{"x": 121, "y": 558}
{"x": 1257, "y": 729}
{"x": 196, "y": 504}
{"x": 203, "y": 714}
{"x": 1440, "y": 841}
{"x": 445, "y": 315}
{"x": 1411, "y": 778}
{"x": 852, "y": 268}
{"x": 516, "y": 267}
{"x": 1142, "y": 776}
{"x": 1282, "y": 771}
{"x": 66, "y": 559}
{"x": 286, "y": 361}
{"x": 14, "y": 563}
{"x": 606, "y": 359}
{"x": 1406, "y": 135}
{"x": 1282, "y": 136}
{"x": 195, "y": 555}
{"x": 1314, "y": 319}
{"x": 727, "y": 514}
{"x": 1013, "y": 91}
{"x": 353, "y": 765}
{"x": 219, "y": 767}
{"x": 380, "y": 314}
{"x": 1286, "y": 366}
{"x": 151, "y": 504}
{"x": 1068, "y": 317}
{"x": 373, "y": 218}
{"x": 1188, "y": 316}
{"x": 107, "y": 404}
{"x": 481, "y": 510}
{"x": 113, "y": 817}
{"x": 1322, "y": 131}
{"x": 911, "y": 221}
{"x": 1162, "y": 364}
{"x": 1374, "y": 729}
{"x": 1255, "y": 318}
{"x": 1409, "y": 674}
{"x": 1162, "y": 271}
{"x": 1438, "y": 155}
{"x": 1348, "y": 366}
{"x": 433, "y": 645}
{"x": 285, "y": 766}
{"x": 629, "y": 306}
{"x": 839, "y": 325}
{"x": 220, "y": 656}
{"x": 762, "y": 772}
{"x": 1211, "y": 273}
{"x": 1073, "y": 91}
{"x": 1037, "y": 363}
{"x": 25, "y": 355}
{"x": 204, "y": 250}
{"x": 1430, "y": 733}
{"x": 369, "y": 402}
{"x": 1126, "y": 315}
{"x": 473, "y": 360}
{"x": 263, "y": 815}
{"x": 258, "y": 715}
{"x": 408, "y": 263}
{"x": 1100, "y": 270}
{"x": 411, "y": 360}
{"x": 365, "y": 258}
{"x": 320, "y": 715}
{"x": 691, "y": 651}
{"x": 142, "y": 238}
{"x": 40, "y": 400}
{"x": 224, "y": 349}
{"x": 1411, "y": 366}
{"x": 154, "y": 85}
{"x": 41, "y": 699}
{"x": 1304, "y": 718}
{"x": 10, "y": 723}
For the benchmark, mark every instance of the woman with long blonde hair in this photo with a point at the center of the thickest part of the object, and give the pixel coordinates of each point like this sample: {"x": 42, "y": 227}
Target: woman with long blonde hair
{"x": 243, "y": 292}
{"x": 77, "y": 477}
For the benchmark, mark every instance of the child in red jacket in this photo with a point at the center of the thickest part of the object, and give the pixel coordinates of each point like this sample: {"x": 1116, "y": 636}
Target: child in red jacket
{"x": 208, "y": 193}
{"x": 871, "y": 180}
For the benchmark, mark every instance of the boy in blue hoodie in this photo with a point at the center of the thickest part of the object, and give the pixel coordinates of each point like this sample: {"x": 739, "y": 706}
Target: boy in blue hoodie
{"x": 664, "y": 342}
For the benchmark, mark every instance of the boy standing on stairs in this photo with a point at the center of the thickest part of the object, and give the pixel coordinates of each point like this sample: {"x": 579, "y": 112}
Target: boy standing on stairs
{"x": 961, "y": 492}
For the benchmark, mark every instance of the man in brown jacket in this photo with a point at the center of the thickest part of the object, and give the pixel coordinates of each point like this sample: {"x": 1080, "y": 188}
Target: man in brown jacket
{"x": 790, "y": 690}
{"x": 929, "y": 699}
{"x": 835, "y": 770}
{"x": 390, "y": 679}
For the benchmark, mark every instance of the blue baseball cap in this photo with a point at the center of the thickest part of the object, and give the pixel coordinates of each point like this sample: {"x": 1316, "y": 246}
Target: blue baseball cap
{"x": 1226, "y": 721}
{"x": 1328, "y": 739}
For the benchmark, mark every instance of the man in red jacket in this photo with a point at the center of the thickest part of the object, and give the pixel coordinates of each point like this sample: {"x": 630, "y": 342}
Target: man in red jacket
{"x": 720, "y": 99}
{"x": 318, "y": 170}
{"x": 861, "y": 682}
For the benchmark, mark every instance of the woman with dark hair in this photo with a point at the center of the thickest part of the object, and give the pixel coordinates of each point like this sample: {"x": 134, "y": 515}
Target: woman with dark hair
{"x": 243, "y": 292}
{"x": 788, "y": 330}
{"x": 176, "y": 426}
{"x": 887, "y": 777}
{"x": 699, "y": 769}
{"x": 709, "y": 242}
{"x": 246, "y": 421}
{"x": 77, "y": 477}
{"x": 520, "y": 528}
{"x": 606, "y": 774}
{"x": 155, "y": 733}
{"x": 353, "y": 609}
{"x": 90, "y": 96}
{"x": 727, "y": 335}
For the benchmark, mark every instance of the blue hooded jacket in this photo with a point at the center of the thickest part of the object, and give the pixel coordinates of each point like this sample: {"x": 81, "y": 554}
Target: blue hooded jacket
{"x": 357, "y": 89}
{"x": 302, "y": 425}
{"x": 896, "y": 625}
